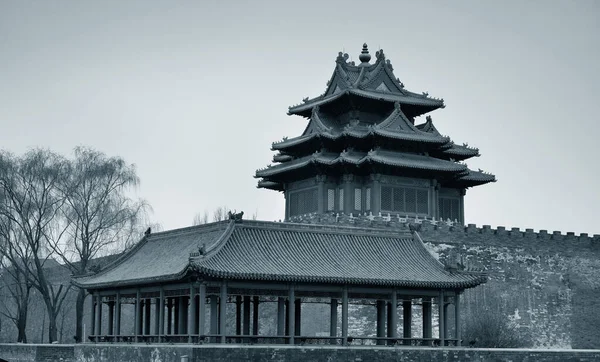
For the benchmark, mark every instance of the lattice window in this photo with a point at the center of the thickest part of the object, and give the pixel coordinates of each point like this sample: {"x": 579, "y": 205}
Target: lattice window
{"x": 386, "y": 198}
{"x": 330, "y": 199}
{"x": 341, "y": 200}
{"x": 357, "y": 199}
{"x": 404, "y": 200}
{"x": 410, "y": 200}
{"x": 449, "y": 208}
{"x": 368, "y": 199}
{"x": 303, "y": 202}
{"x": 398, "y": 199}
{"x": 422, "y": 202}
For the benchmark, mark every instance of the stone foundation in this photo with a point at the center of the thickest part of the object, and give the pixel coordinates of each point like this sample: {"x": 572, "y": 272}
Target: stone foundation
{"x": 237, "y": 353}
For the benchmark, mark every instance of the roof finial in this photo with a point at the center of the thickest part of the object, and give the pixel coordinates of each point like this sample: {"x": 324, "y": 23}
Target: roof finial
{"x": 364, "y": 55}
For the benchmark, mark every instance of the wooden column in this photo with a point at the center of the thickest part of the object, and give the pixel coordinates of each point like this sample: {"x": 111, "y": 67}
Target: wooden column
{"x": 118, "y": 314}
{"x": 393, "y": 316}
{"x": 176, "y": 315}
{"x": 169, "y": 315}
{"x": 255, "y": 315}
{"x": 298, "y": 315}
{"x": 348, "y": 193}
{"x": 201, "y": 309}
{"x": 92, "y": 315}
{"x": 333, "y": 319}
{"x": 98, "y": 316}
{"x": 111, "y": 316}
{"x": 427, "y": 322}
{"x": 280, "y": 316}
{"x": 238, "y": 315}
{"x": 380, "y": 320}
{"x": 223, "y": 312}
{"x": 183, "y": 314}
{"x": 376, "y": 194}
{"x": 214, "y": 317}
{"x": 161, "y": 315}
{"x": 138, "y": 316}
{"x": 446, "y": 324}
{"x": 442, "y": 318}
{"x": 287, "y": 319}
{"x": 291, "y": 314}
{"x": 192, "y": 319}
{"x": 345, "y": 316}
{"x": 322, "y": 194}
{"x": 457, "y": 319}
{"x": 147, "y": 316}
{"x": 246, "y": 315}
{"x": 407, "y": 320}
{"x": 157, "y": 316}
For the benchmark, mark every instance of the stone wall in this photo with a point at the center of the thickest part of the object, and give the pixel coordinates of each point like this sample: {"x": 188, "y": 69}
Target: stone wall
{"x": 547, "y": 285}
{"x": 228, "y": 353}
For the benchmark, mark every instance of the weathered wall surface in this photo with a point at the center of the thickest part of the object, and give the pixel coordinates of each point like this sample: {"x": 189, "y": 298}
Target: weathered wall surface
{"x": 545, "y": 284}
{"x": 166, "y": 353}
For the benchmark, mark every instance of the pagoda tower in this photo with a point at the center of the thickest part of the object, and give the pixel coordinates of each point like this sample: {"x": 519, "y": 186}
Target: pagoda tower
{"x": 362, "y": 152}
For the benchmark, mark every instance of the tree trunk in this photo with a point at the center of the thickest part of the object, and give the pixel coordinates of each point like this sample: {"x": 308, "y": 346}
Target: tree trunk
{"x": 52, "y": 315}
{"x": 22, "y": 324}
{"x": 79, "y": 315}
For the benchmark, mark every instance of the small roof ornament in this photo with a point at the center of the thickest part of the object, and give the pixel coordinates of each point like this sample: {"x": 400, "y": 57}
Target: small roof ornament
{"x": 364, "y": 56}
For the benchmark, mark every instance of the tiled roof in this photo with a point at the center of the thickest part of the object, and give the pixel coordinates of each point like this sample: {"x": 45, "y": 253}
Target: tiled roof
{"x": 157, "y": 257}
{"x": 286, "y": 252}
{"x": 389, "y": 158}
{"x": 475, "y": 178}
{"x": 395, "y": 126}
{"x": 372, "y": 94}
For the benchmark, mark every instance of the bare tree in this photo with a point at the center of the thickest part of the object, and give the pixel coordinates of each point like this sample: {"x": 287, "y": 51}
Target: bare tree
{"x": 99, "y": 216}
{"x": 29, "y": 189}
{"x": 15, "y": 291}
{"x": 201, "y": 218}
{"x": 219, "y": 214}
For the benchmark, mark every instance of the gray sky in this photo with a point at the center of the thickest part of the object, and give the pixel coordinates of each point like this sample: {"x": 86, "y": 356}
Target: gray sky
{"x": 195, "y": 92}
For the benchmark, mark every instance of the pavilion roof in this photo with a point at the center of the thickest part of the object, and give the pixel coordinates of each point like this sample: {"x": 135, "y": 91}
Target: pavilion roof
{"x": 375, "y": 81}
{"x": 284, "y": 252}
{"x": 395, "y": 126}
{"x": 378, "y": 156}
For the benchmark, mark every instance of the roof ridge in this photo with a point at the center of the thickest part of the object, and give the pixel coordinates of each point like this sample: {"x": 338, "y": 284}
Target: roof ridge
{"x": 210, "y": 226}
{"x": 287, "y": 225}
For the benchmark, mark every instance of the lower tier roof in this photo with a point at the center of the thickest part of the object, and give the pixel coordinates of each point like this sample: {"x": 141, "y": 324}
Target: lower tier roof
{"x": 284, "y": 252}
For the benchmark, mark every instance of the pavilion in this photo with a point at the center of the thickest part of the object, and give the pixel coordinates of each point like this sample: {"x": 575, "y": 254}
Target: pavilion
{"x": 361, "y": 153}
{"x": 180, "y": 282}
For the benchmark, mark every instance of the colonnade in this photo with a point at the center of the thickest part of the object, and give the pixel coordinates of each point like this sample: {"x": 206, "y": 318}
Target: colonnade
{"x": 181, "y": 318}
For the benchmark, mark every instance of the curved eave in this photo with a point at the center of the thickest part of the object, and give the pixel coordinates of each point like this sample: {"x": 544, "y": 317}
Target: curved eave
{"x": 291, "y": 142}
{"x": 471, "y": 282}
{"x": 428, "y": 104}
{"x": 271, "y": 185}
{"x": 131, "y": 282}
{"x": 474, "y": 178}
{"x": 461, "y": 152}
{"x": 387, "y": 158}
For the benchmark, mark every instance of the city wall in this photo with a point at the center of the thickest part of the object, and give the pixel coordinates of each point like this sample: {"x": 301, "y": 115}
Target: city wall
{"x": 199, "y": 353}
{"x": 545, "y": 284}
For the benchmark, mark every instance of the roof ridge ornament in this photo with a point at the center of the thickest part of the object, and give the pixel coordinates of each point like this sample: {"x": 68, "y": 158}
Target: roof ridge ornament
{"x": 364, "y": 56}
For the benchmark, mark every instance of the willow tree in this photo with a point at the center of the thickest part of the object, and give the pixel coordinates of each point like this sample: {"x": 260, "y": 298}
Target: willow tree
{"x": 99, "y": 215}
{"x": 15, "y": 285}
{"x": 31, "y": 200}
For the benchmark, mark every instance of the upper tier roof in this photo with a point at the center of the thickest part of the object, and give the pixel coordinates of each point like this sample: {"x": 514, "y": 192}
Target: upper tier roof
{"x": 284, "y": 252}
{"x": 395, "y": 126}
{"x": 457, "y": 152}
{"x": 374, "y": 81}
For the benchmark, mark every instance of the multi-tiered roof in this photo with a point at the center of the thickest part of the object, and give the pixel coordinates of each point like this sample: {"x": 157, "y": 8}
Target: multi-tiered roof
{"x": 364, "y": 123}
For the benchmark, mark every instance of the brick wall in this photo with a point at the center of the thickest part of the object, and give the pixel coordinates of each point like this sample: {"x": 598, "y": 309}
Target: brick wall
{"x": 547, "y": 284}
{"x": 166, "y": 353}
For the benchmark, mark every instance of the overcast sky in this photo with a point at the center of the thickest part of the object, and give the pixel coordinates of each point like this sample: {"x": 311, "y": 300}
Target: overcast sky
{"x": 194, "y": 92}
